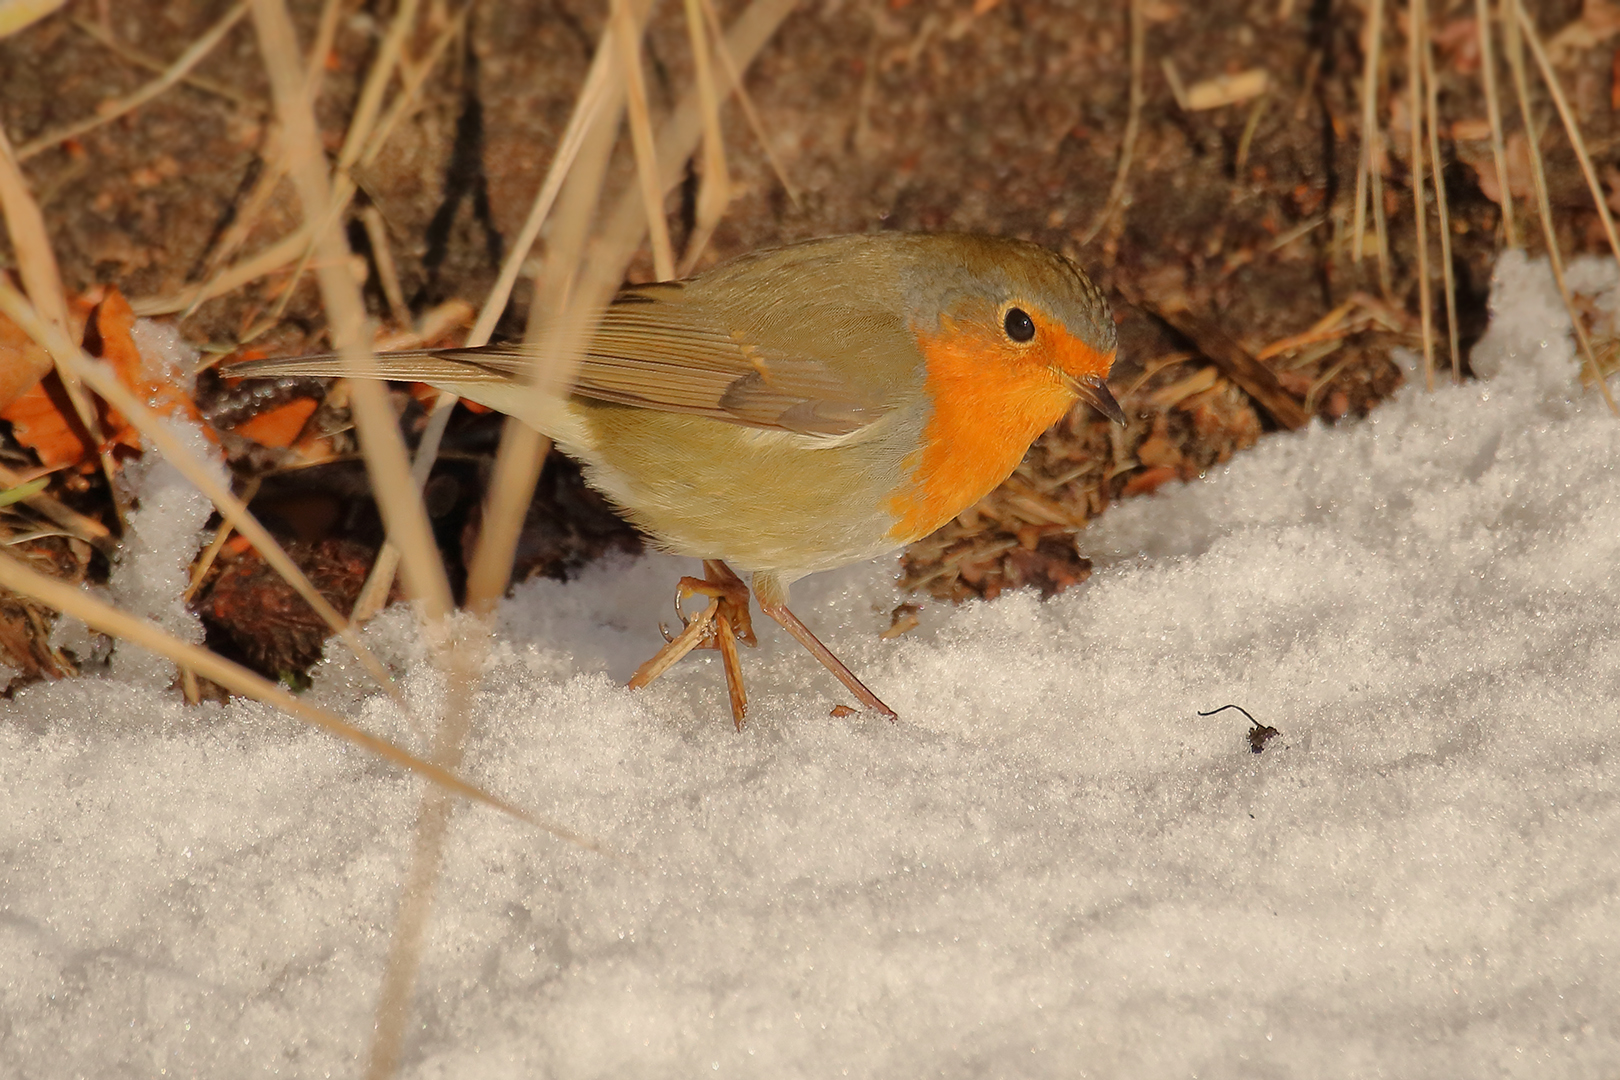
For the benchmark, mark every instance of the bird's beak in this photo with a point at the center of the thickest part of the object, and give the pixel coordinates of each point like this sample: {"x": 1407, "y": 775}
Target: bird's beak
{"x": 1092, "y": 390}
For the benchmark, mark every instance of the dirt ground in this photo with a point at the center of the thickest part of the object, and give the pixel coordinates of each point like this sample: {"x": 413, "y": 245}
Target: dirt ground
{"x": 1001, "y": 117}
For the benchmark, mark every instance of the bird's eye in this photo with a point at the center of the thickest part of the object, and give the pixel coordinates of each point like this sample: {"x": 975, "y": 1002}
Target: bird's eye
{"x": 1018, "y": 324}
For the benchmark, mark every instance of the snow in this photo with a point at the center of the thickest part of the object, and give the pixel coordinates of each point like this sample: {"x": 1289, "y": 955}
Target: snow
{"x": 1052, "y": 866}
{"x": 165, "y": 531}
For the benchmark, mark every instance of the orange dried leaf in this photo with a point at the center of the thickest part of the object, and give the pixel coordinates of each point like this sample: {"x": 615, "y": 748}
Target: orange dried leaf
{"x": 424, "y": 394}
{"x": 22, "y": 362}
{"x": 161, "y": 385}
{"x": 1149, "y": 480}
{"x": 279, "y": 427}
{"x": 43, "y": 418}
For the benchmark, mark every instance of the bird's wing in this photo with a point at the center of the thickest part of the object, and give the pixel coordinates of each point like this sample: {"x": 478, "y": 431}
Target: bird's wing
{"x": 655, "y": 349}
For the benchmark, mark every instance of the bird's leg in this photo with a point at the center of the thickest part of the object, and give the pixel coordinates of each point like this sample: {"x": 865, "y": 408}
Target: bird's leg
{"x": 731, "y": 621}
{"x": 801, "y": 633}
{"x": 726, "y": 642}
{"x": 718, "y": 626}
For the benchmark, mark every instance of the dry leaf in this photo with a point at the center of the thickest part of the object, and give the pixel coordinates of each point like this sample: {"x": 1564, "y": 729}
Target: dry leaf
{"x": 22, "y": 363}
{"x": 279, "y": 427}
{"x": 1226, "y": 90}
{"x": 42, "y": 419}
{"x": 1518, "y": 170}
{"x": 1599, "y": 21}
{"x": 1150, "y": 480}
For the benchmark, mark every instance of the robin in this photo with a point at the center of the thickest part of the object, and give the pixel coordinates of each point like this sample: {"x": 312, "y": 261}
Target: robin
{"x": 803, "y": 407}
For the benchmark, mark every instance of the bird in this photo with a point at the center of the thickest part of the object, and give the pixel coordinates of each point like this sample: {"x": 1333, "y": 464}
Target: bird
{"x": 802, "y": 407}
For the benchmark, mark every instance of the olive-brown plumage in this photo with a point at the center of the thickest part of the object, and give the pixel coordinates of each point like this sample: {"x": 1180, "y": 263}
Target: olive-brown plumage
{"x": 808, "y": 406}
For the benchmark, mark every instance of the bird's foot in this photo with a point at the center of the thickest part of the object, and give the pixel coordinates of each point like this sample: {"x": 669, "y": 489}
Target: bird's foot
{"x": 720, "y": 625}
{"x": 723, "y": 622}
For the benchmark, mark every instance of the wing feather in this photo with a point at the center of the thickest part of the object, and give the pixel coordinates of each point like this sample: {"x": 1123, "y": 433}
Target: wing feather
{"x": 658, "y": 348}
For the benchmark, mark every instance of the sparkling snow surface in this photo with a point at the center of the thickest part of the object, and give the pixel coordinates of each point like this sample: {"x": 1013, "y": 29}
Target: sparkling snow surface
{"x": 1051, "y": 867}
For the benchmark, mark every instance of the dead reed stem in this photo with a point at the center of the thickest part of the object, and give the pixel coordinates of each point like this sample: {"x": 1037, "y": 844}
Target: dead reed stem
{"x": 1538, "y": 176}
{"x": 1372, "y": 49}
{"x": 714, "y": 195}
{"x": 1572, "y": 127}
{"x": 380, "y": 438}
{"x": 1442, "y": 210}
{"x": 627, "y": 43}
{"x": 1416, "y": 30}
{"x": 1493, "y": 109}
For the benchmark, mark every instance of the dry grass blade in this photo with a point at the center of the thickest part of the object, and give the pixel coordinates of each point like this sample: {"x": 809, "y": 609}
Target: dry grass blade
{"x": 1257, "y": 380}
{"x": 1386, "y": 278}
{"x": 176, "y": 71}
{"x": 715, "y": 194}
{"x": 382, "y": 254}
{"x": 627, "y": 42}
{"x": 1572, "y": 127}
{"x": 1493, "y": 109}
{"x": 380, "y": 438}
{"x": 354, "y": 143}
{"x": 401, "y": 507}
{"x": 1372, "y": 49}
{"x": 587, "y": 292}
{"x": 560, "y": 316}
{"x": 1538, "y": 177}
{"x": 374, "y": 594}
{"x": 295, "y": 245}
{"x": 382, "y": 70}
{"x": 1416, "y": 33}
{"x": 1133, "y": 123}
{"x": 599, "y": 93}
{"x": 221, "y": 535}
{"x": 151, "y": 63}
{"x": 679, "y": 137}
{"x": 103, "y": 617}
{"x": 72, "y": 522}
{"x": 264, "y": 188}
{"x": 320, "y": 49}
{"x": 36, "y": 262}
{"x": 245, "y": 220}
{"x": 412, "y": 78}
{"x": 104, "y": 382}
{"x": 268, "y": 261}
{"x": 1240, "y": 160}
{"x": 755, "y": 124}
{"x": 16, "y": 14}
{"x": 1442, "y": 210}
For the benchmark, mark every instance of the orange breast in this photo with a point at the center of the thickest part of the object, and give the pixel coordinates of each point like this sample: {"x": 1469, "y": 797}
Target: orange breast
{"x": 990, "y": 401}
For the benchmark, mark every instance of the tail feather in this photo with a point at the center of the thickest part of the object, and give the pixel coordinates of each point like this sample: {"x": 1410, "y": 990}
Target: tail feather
{"x": 490, "y": 376}
{"x": 411, "y": 365}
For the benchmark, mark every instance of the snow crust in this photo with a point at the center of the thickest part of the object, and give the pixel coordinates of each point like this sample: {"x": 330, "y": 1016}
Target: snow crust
{"x": 1051, "y": 867}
